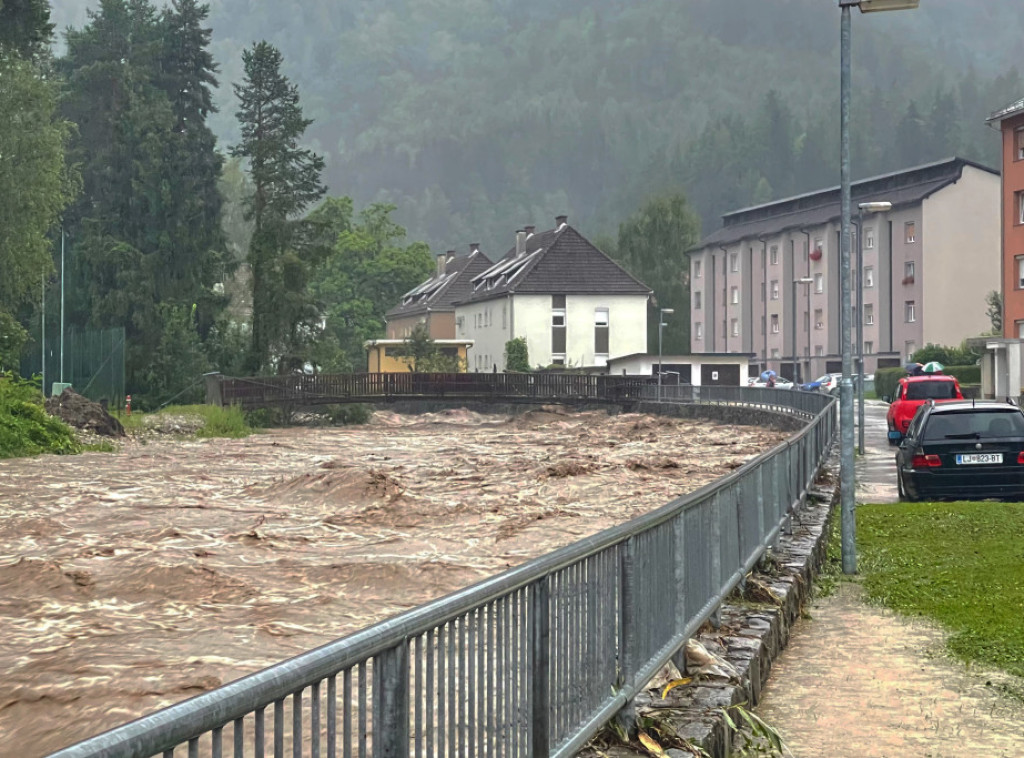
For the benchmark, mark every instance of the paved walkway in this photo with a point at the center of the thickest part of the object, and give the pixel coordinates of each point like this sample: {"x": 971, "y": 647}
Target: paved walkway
{"x": 861, "y": 682}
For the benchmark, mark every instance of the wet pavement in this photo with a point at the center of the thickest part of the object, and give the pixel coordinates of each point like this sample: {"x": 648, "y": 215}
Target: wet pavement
{"x": 858, "y": 681}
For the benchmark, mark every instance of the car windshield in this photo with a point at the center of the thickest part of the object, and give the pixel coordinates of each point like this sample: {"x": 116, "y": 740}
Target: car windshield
{"x": 931, "y": 390}
{"x": 974, "y": 424}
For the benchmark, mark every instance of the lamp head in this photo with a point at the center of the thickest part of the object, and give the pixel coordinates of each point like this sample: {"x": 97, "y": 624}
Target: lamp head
{"x": 668, "y": 311}
{"x": 877, "y": 6}
{"x": 875, "y": 207}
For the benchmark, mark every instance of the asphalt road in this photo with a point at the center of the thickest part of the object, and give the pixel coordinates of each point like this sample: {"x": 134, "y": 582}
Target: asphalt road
{"x": 876, "y": 469}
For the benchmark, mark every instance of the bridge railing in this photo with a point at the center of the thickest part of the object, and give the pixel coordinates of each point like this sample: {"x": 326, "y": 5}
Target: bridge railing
{"x": 316, "y": 389}
{"x": 529, "y": 663}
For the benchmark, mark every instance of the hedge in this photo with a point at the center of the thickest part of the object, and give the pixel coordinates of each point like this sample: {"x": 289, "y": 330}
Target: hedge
{"x": 886, "y": 380}
{"x": 965, "y": 374}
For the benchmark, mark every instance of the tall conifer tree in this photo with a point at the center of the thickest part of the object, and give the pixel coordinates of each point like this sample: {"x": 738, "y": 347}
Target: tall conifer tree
{"x": 285, "y": 180}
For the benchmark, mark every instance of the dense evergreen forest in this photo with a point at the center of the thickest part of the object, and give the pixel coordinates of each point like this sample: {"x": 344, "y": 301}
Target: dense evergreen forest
{"x": 236, "y": 180}
{"x": 477, "y": 116}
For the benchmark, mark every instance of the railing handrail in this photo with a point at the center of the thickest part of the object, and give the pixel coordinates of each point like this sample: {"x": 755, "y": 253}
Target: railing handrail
{"x": 180, "y": 722}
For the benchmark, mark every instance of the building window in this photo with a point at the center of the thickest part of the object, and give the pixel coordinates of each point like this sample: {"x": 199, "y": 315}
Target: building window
{"x": 819, "y": 318}
{"x": 1020, "y": 329}
{"x": 763, "y": 287}
{"x": 775, "y": 323}
{"x": 696, "y": 301}
{"x": 910, "y": 231}
{"x": 775, "y": 289}
{"x": 869, "y": 239}
{"x": 735, "y": 327}
{"x": 909, "y": 348}
{"x": 696, "y": 270}
{"x": 819, "y": 283}
{"x": 1020, "y": 271}
{"x": 908, "y": 272}
{"x": 773, "y": 255}
{"x": 504, "y": 316}
{"x": 819, "y": 350}
{"x": 869, "y": 348}
{"x": 1020, "y": 207}
{"x": 698, "y": 330}
{"x": 909, "y": 312}
{"x": 734, "y": 262}
{"x": 807, "y": 322}
{"x": 601, "y": 331}
{"x": 557, "y": 325}
{"x": 869, "y": 277}
{"x": 1019, "y": 135}
{"x": 735, "y": 296}
{"x": 869, "y": 314}
{"x": 763, "y": 325}
{"x": 775, "y": 352}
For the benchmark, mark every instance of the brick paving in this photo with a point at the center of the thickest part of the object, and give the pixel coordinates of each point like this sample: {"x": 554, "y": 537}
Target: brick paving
{"x": 861, "y": 682}
{"x": 857, "y": 681}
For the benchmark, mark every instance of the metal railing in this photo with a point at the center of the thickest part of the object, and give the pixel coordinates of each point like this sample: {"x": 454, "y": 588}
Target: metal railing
{"x": 531, "y": 662}
{"x": 319, "y": 389}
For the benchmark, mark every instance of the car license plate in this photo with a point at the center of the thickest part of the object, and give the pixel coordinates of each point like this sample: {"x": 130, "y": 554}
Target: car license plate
{"x": 976, "y": 458}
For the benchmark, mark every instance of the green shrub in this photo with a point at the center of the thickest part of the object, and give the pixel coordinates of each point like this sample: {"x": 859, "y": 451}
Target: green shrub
{"x": 517, "y": 355}
{"x": 947, "y": 356}
{"x": 346, "y": 415}
{"x": 886, "y": 380}
{"x": 965, "y": 374}
{"x": 25, "y": 427}
{"x": 223, "y": 422}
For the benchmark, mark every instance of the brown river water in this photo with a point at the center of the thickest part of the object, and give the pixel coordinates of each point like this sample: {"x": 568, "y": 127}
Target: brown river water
{"x": 133, "y": 580}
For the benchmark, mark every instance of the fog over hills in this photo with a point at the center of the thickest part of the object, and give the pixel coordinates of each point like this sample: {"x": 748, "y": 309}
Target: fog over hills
{"x": 478, "y": 116}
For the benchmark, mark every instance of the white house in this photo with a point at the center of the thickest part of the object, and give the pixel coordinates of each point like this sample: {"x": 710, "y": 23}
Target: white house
{"x": 572, "y": 303}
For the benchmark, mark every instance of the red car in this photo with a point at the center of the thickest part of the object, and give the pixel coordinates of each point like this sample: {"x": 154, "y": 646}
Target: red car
{"x": 913, "y": 392}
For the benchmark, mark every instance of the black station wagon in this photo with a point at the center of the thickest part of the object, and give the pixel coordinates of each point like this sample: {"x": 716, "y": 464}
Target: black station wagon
{"x": 964, "y": 450}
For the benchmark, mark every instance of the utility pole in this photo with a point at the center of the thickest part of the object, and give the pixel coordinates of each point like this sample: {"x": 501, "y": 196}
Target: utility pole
{"x": 62, "y": 303}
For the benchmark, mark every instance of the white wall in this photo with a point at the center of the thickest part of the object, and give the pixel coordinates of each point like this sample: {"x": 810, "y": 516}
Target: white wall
{"x": 530, "y": 317}
{"x": 488, "y": 323}
{"x": 962, "y": 226}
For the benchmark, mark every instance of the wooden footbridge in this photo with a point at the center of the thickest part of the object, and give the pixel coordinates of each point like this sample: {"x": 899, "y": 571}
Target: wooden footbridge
{"x": 303, "y": 390}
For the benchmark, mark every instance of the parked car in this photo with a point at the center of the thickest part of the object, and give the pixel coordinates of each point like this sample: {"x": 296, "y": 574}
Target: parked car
{"x": 962, "y": 450}
{"x": 869, "y": 383}
{"x": 911, "y": 393}
{"x": 825, "y": 383}
{"x": 781, "y": 383}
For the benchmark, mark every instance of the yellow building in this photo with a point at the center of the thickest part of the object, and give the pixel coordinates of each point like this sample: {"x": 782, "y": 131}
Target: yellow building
{"x": 383, "y": 355}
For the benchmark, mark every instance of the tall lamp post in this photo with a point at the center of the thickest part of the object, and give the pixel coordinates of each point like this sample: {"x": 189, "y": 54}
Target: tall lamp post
{"x": 848, "y": 522}
{"x": 803, "y": 280}
{"x": 878, "y": 207}
{"x": 661, "y": 325}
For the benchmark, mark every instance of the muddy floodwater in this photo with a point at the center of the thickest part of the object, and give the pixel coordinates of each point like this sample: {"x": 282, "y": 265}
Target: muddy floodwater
{"x": 132, "y": 580}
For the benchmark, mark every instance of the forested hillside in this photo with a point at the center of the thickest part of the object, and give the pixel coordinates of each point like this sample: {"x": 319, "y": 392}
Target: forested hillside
{"x": 475, "y": 116}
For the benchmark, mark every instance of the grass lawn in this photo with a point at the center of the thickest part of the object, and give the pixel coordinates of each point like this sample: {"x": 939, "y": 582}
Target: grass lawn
{"x": 217, "y": 422}
{"x": 961, "y": 564}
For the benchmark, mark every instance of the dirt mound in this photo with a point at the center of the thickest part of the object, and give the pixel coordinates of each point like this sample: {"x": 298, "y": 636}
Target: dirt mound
{"x": 34, "y": 577}
{"x": 82, "y": 413}
{"x": 336, "y": 483}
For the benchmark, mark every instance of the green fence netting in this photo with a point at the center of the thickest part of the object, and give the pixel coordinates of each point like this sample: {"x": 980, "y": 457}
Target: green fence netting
{"x": 93, "y": 362}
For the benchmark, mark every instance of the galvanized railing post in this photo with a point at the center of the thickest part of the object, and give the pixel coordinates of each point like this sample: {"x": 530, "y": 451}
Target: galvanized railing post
{"x": 679, "y": 658}
{"x": 391, "y": 702}
{"x": 716, "y": 555}
{"x": 628, "y": 665}
{"x": 539, "y": 680}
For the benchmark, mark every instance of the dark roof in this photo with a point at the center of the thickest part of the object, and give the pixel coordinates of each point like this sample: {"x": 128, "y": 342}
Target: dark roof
{"x": 900, "y": 188}
{"x": 559, "y": 261}
{"x": 439, "y": 293}
{"x": 1012, "y": 109}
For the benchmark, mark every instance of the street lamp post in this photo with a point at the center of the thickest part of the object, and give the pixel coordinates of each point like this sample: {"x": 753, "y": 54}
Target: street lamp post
{"x": 802, "y": 280}
{"x": 661, "y": 325}
{"x": 846, "y": 469}
{"x": 861, "y": 208}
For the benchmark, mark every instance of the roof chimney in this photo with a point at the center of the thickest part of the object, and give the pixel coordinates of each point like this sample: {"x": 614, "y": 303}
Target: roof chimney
{"x": 560, "y": 221}
{"x": 451, "y": 255}
{"x": 520, "y": 241}
{"x": 442, "y": 261}
{"x": 529, "y": 231}
{"x": 474, "y": 247}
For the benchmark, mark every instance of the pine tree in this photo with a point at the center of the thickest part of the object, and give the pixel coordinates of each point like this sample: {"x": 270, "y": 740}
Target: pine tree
{"x": 285, "y": 181}
{"x": 25, "y": 28}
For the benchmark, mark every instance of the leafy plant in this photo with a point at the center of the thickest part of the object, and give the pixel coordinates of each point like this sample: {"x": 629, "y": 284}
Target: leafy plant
{"x": 758, "y": 737}
{"x": 346, "y": 415}
{"x": 517, "y": 355}
{"x": 25, "y": 427}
